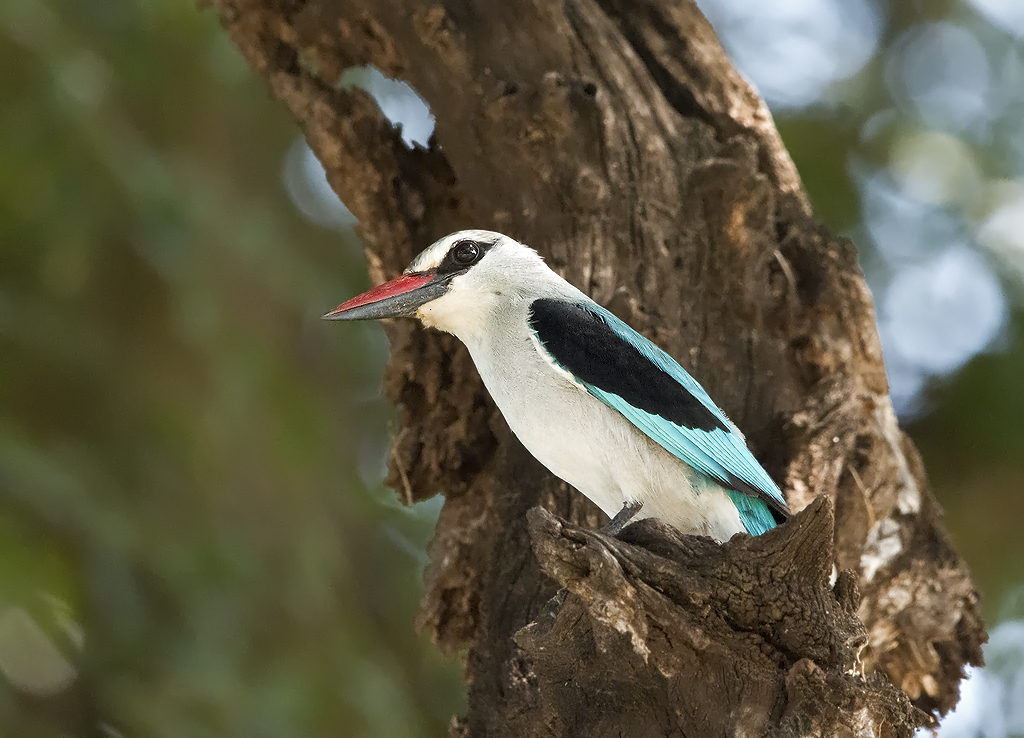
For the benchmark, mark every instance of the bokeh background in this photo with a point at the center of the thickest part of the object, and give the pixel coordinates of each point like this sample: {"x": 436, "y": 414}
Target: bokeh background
{"x": 194, "y": 535}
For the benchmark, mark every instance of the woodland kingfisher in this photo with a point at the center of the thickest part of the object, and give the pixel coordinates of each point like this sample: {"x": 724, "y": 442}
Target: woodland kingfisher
{"x": 594, "y": 401}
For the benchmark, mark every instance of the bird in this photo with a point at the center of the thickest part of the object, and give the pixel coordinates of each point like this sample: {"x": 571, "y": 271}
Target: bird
{"x": 597, "y": 403}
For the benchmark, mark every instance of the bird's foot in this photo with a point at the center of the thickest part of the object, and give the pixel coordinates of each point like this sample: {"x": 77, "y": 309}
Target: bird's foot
{"x": 622, "y": 517}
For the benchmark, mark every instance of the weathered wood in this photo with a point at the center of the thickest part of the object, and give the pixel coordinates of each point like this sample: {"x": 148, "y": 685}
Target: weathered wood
{"x": 678, "y": 635}
{"x": 617, "y": 139}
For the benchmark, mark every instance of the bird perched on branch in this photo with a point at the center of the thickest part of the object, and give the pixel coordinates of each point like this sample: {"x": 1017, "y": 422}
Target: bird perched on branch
{"x": 594, "y": 401}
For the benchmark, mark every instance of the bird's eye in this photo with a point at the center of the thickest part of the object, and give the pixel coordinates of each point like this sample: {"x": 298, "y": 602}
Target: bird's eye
{"x": 465, "y": 253}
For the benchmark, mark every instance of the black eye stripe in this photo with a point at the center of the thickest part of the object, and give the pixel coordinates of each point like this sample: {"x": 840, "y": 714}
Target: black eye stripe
{"x": 462, "y": 255}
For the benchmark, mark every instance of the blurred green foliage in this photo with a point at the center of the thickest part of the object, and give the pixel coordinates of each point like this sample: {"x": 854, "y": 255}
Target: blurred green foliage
{"x": 194, "y": 538}
{"x": 973, "y": 447}
{"x": 181, "y": 507}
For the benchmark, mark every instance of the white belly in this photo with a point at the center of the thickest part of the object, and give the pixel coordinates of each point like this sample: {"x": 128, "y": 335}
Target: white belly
{"x": 593, "y": 447}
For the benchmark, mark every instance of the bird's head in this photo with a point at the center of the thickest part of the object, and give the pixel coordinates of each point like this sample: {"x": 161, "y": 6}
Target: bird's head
{"x": 453, "y": 283}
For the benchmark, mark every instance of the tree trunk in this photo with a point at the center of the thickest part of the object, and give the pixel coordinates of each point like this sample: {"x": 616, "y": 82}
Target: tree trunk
{"x": 616, "y": 139}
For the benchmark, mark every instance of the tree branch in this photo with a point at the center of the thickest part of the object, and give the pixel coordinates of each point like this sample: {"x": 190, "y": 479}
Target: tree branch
{"x": 664, "y": 632}
{"x": 617, "y": 139}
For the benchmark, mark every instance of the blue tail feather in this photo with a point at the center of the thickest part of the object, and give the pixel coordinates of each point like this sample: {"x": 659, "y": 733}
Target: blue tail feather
{"x": 754, "y": 512}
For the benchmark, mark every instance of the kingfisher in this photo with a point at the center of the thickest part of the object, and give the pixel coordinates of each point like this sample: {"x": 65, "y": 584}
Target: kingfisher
{"x": 599, "y": 405}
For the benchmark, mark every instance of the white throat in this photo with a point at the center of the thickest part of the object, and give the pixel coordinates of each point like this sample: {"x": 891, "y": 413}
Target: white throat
{"x": 464, "y": 311}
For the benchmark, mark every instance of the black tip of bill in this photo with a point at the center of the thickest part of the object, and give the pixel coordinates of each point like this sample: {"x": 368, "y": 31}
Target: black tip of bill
{"x": 335, "y": 315}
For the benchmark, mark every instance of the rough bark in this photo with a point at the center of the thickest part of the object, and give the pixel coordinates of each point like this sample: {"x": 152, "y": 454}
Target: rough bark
{"x": 617, "y": 139}
{"x": 659, "y": 627}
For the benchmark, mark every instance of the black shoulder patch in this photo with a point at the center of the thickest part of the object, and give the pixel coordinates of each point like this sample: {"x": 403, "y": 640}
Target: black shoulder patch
{"x": 582, "y": 342}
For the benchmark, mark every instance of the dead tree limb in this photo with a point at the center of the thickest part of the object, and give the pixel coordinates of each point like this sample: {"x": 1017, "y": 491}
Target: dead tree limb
{"x": 616, "y": 138}
{"x": 676, "y": 635}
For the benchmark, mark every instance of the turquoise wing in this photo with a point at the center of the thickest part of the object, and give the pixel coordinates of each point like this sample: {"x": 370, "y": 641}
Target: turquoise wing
{"x": 629, "y": 373}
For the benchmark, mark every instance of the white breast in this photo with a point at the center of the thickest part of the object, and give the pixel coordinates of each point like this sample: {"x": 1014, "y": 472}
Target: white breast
{"x": 586, "y": 443}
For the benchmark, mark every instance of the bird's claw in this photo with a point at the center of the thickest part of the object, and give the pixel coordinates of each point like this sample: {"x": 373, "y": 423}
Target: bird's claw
{"x": 622, "y": 518}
